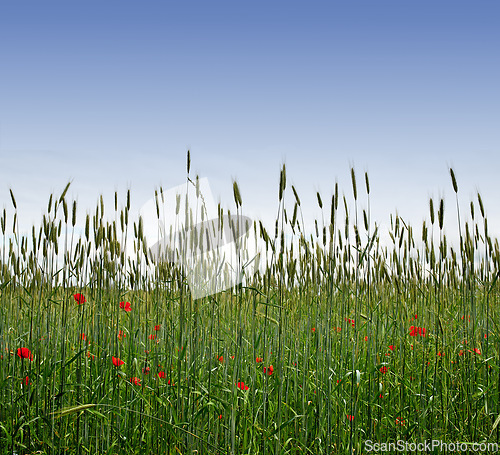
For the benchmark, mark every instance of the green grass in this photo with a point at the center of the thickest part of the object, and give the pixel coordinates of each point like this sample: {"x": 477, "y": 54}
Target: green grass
{"x": 334, "y": 383}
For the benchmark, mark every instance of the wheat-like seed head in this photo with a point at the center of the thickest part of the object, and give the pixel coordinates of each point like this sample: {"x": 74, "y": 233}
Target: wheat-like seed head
{"x": 354, "y": 188}
{"x": 453, "y": 181}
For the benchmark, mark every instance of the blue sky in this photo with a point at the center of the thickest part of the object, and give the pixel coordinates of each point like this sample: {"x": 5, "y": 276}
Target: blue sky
{"x": 111, "y": 95}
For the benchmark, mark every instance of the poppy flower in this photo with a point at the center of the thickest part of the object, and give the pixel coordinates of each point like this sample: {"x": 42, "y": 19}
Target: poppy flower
{"x": 477, "y": 351}
{"x": 125, "y": 306}
{"x": 269, "y": 370}
{"x": 391, "y": 347}
{"x": 157, "y": 327}
{"x": 26, "y": 380}
{"x": 313, "y": 329}
{"x": 121, "y": 334}
{"x": 221, "y": 359}
{"x": 259, "y": 359}
{"x": 220, "y": 416}
{"x": 79, "y": 298}
{"x": 366, "y": 338}
{"x": 242, "y": 386}
{"x": 83, "y": 337}
{"x": 25, "y": 353}
{"x": 161, "y": 374}
{"x": 383, "y": 370}
{"x": 350, "y": 417}
{"x": 135, "y": 381}
{"x": 117, "y": 362}
{"x": 145, "y": 370}
{"x": 152, "y": 337}
{"x": 416, "y": 331}
{"x": 169, "y": 383}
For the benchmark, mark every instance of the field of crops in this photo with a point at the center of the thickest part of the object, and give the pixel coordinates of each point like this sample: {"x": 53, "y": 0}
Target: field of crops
{"x": 340, "y": 339}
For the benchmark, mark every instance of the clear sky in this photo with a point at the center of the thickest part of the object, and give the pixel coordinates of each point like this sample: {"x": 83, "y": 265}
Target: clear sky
{"x": 112, "y": 94}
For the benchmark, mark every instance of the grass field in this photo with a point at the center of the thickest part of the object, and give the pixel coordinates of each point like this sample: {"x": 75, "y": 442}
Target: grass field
{"x": 339, "y": 341}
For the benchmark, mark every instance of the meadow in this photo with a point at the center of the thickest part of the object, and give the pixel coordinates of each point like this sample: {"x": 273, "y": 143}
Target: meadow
{"x": 339, "y": 340}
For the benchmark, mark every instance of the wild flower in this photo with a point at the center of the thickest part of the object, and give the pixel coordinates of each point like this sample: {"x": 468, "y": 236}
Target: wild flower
{"x": 242, "y": 386}
{"x": 79, "y": 298}
{"x": 117, "y": 362}
{"x": 269, "y": 370}
{"x": 125, "y": 306}
{"x": 416, "y": 331}
{"x": 25, "y": 353}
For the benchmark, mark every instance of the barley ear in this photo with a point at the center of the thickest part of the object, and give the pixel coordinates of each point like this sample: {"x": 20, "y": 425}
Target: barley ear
{"x": 354, "y": 188}
{"x": 453, "y": 181}
{"x": 481, "y": 206}
{"x": 320, "y": 202}
{"x": 13, "y": 199}
{"x": 441, "y": 214}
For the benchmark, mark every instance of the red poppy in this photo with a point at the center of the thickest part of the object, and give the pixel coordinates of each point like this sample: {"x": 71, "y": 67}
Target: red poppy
{"x": 152, "y": 337}
{"x": 83, "y": 337}
{"x": 269, "y": 370}
{"x": 391, "y": 347}
{"x": 477, "y": 351}
{"x": 145, "y": 370}
{"x": 25, "y": 353}
{"x": 259, "y": 359}
{"x": 242, "y": 386}
{"x": 26, "y": 380}
{"x": 121, "y": 334}
{"x": 313, "y": 329}
{"x": 366, "y": 338}
{"x": 350, "y": 417}
{"x": 221, "y": 359}
{"x": 416, "y": 331}
{"x": 79, "y": 298}
{"x": 135, "y": 381}
{"x": 157, "y": 327}
{"x": 125, "y": 306}
{"x": 220, "y": 416}
{"x": 117, "y": 362}
{"x": 383, "y": 370}
{"x": 168, "y": 382}
{"x": 161, "y": 374}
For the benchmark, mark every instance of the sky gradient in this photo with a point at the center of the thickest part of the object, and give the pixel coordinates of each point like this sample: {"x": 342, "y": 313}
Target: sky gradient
{"x": 111, "y": 95}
